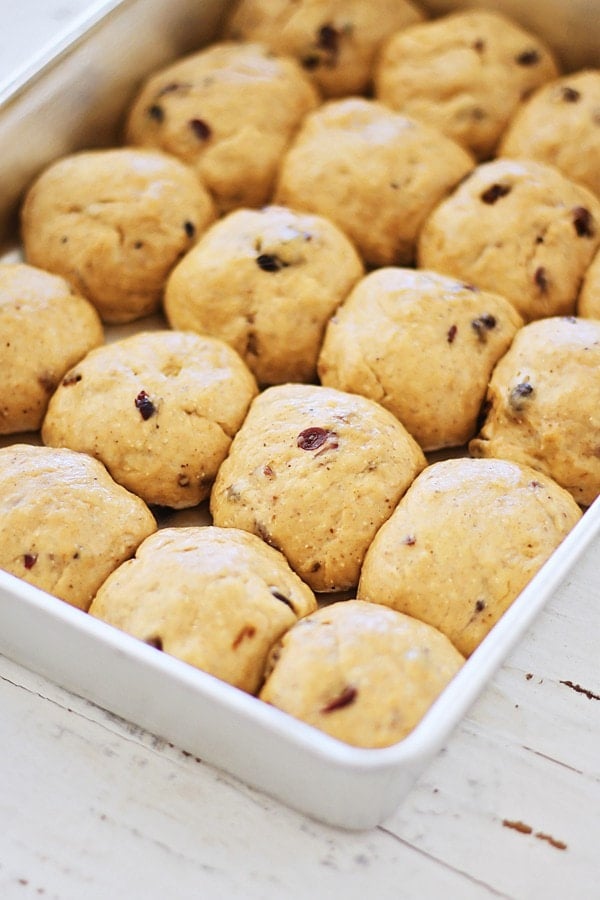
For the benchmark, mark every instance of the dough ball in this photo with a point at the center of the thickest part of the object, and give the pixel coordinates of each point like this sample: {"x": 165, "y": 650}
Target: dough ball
{"x": 229, "y": 111}
{"x": 217, "y": 598}
{"x": 361, "y": 672}
{"x": 375, "y": 173}
{"x": 544, "y": 404}
{"x": 65, "y": 525}
{"x": 266, "y": 282}
{"x": 518, "y": 228}
{"x": 465, "y": 73}
{"x": 423, "y": 346}
{"x": 114, "y": 223}
{"x": 315, "y": 472}
{"x": 560, "y": 125}
{"x": 335, "y": 41}
{"x": 466, "y": 538}
{"x": 159, "y": 409}
{"x": 39, "y": 312}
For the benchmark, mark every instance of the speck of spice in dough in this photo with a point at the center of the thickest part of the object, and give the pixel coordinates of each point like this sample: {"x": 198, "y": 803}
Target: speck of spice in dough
{"x": 248, "y": 631}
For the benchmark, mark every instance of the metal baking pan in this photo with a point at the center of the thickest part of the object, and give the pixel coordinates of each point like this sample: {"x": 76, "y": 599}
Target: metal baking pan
{"x": 74, "y": 96}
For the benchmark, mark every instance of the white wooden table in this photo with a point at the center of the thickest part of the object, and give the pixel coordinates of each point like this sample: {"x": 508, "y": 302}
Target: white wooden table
{"x": 93, "y": 808}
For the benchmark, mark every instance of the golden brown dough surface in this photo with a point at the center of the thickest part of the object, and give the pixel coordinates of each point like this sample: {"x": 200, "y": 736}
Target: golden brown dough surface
{"x": 228, "y": 111}
{"x": 463, "y": 542}
{"x": 39, "y": 312}
{"x": 159, "y": 409}
{"x": 114, "y": 223}
{"x": 266, "y": 282}
{"x": 519, "y": 228}
{"x": 421, "y": 344}
{"x": 361, "y": 672}
{"x": 314, "y": 472}
{"x": 335, "y": 41}
{"x": 65, "y": 525}
{"x": 465, "y": 73}
{"x": 216, "y": 598}
{"x": 544, "y": 404}
{"x": 376, "y": 173}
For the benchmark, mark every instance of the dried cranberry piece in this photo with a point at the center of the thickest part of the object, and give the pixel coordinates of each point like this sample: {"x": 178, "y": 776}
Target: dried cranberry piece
{"x": 156, "y": 113}
{"x": 583, "y": 222}
{"x": 269, "y": 262}
{"x": 540, "y": 277}
{"x": 482, "y": 324}
{"x": 494, "y": 192}
{"x": 528, "y": 58}
{"x": 328, "y": 39}
{"x": 312, "y": 438}
{"x": 519, "y": 393}
{"x": 348, "y": 696}
{"x": 200, "y": 128}
{"x": 310, "y": 62}
{"x": 480, "y": 605}
{"x": 145, "y": 405}
{"x": 29, "y": 560}
{"x": 569, "y": 94}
